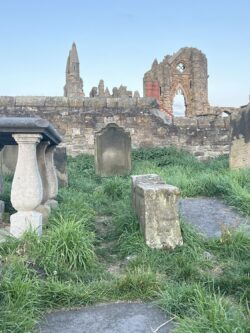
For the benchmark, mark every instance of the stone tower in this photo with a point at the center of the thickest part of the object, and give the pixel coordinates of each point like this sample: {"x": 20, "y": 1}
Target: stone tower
{"x": 183, "y": 72}
{"x": 74, "y": 84}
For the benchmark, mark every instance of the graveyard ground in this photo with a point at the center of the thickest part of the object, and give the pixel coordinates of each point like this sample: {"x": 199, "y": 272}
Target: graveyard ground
{"x": 92, "y": 251}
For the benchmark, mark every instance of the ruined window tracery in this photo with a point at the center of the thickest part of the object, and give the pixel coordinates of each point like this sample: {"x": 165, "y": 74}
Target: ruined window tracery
{"x": 180, "y": 67}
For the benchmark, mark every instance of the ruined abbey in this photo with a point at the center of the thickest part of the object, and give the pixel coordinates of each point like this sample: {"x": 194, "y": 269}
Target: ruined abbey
{"x": 185, "y": 72}
{"x": 150, "y": 119}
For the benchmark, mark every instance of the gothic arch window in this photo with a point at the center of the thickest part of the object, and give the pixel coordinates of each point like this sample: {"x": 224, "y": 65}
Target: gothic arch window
{"x": 179, "y": 103}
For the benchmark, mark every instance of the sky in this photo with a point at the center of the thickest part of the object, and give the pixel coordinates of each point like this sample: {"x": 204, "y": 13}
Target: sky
{"x": 117, "y": 41}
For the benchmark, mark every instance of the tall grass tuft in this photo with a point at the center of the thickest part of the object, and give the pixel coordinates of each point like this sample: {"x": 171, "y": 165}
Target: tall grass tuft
{"x": 202, "y": 311}
{"x": 68, "y": 245}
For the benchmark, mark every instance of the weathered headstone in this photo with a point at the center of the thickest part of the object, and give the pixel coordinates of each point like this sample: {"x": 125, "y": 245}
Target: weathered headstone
{"x": 1, "y": 192}
{"x": 155, "y": 204}
{"x": 239, "y": 156}
{"x": 8, "y": 157}
{"x": 112, "y": 151}
{"x": 60, "y": 160}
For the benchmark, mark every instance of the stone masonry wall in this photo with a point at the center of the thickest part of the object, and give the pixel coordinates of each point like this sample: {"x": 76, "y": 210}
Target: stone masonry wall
{"x": 78, "y": 119}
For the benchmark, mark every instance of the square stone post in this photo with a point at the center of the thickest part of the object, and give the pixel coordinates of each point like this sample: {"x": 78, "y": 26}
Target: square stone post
{"x": 155, "y": 204}
{"x": 27, "y": 189}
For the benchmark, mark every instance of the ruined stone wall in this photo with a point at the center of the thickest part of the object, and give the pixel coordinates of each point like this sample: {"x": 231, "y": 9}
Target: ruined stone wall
{"x": 78, "y": 119}
{"x": 223, "y": 110}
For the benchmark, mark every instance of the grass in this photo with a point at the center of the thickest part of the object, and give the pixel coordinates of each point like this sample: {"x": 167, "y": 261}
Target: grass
{"x": 204, "y": 283}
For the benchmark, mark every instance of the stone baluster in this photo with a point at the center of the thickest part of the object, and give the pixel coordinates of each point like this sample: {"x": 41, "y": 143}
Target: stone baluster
{"x": 27, "y": 189}
{"x": 52, "y": 189}
{"x": 43, "y": 170}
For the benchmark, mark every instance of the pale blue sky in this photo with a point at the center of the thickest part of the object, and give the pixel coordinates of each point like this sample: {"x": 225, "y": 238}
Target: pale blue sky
{"x": 118, "y": 40}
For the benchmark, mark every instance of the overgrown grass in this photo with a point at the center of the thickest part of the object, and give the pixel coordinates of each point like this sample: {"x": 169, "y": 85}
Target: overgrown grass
{"x": 205, "y": 283}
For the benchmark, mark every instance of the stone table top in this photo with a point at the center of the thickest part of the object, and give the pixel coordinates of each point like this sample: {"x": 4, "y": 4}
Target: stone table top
{"x": 11, "y": 125}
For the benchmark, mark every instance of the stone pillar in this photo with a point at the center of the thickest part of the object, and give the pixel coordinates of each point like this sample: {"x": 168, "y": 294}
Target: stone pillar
{"x": 27, "y": 189}
{"x": 43, "y": 208}
{"x": 52, "y": 189}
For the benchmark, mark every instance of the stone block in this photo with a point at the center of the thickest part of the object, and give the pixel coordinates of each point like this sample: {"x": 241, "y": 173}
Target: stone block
{"x": 30, "y": 101}
{"x": 155, "y": 204}
{"x": 185, "y": 122}
{"x": 126, "y": 102}
{"x": 112, "y": 151}
{"x": 147, "y": 103}
{"x": 112, "y": 102}
{"x": 204, "y": 122}
{"x": 24, "y": 221}
{"x": 56, "y": 101}
{"x": 7, "y": 101}
{"x": 95, "y": 102}
{"x": 219, "y": 122}
{"x": 76, "y": 102}
{"x": 152, "y": 178}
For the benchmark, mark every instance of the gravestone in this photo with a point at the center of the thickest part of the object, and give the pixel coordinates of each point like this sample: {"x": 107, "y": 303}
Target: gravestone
{"x": 112, "y": 151}
{"x": 1, "y": 192}
{"x": 155, "y": 204}
{"x": 239, "y": 156}
{"x": 8, "y": 157}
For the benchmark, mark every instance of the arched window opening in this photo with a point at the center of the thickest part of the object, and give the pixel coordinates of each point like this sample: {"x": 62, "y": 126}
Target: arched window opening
{"x": 179, "y": 104}
{"x": 225, "y": 114}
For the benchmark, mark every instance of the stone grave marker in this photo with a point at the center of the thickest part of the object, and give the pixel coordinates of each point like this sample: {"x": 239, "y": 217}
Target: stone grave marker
{"x": 155, "y": 204}
{"x": 1, "y": 192}
{"x": 112, "y": 151}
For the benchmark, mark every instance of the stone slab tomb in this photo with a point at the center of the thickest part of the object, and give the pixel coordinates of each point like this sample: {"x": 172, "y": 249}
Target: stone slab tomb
{"x": 34, "y": 187}
{"x": 112, "y": 151}
{"x": 8, "y": 157}
{"x": 155, "y": 204}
